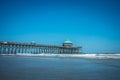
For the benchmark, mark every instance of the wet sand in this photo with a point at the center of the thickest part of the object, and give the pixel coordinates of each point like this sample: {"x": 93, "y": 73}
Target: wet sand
{"x": 58, "y": 68}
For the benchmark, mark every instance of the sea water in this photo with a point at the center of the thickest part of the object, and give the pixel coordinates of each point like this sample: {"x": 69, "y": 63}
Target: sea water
{"x": 56, "y": 68}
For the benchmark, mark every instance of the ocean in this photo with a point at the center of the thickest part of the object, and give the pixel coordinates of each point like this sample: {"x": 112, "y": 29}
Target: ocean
{"x": 56, "y": 68}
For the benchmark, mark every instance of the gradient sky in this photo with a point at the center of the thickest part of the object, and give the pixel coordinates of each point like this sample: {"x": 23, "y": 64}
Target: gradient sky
{"x": 93, "y": 24}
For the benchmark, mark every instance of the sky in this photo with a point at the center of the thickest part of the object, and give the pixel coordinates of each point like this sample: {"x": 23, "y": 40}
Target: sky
{"x": 92, "y": 24}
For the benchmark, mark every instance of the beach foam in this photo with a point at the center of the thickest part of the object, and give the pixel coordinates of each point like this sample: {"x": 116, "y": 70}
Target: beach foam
{"x": 113, "y": 56}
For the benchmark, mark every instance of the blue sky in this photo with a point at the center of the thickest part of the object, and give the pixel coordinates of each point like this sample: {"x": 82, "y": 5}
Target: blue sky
{"x": 93, "y": 24}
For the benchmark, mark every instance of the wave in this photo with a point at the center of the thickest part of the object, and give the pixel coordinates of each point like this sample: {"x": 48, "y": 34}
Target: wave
{"x": 100, "y": 56}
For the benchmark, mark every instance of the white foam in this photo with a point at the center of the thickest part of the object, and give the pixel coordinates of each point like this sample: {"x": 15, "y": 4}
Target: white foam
{"x": 100, "y": 56}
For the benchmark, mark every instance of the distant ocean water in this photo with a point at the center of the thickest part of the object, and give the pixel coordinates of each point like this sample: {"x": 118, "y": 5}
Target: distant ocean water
{"x": 56, "y": 68}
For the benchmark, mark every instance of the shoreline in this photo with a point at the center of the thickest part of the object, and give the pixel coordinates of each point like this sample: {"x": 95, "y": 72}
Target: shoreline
{"x": 99, "y": 56}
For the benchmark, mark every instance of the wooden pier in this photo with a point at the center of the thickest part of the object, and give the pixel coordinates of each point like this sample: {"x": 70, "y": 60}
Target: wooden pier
{"x": 33, "y": 48}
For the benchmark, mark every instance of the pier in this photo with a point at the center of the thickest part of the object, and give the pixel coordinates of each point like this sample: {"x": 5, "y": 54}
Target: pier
{"x": 33, "y": 48}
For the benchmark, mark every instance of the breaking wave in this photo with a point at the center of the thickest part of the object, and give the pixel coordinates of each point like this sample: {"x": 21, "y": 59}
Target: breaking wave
{"x": 100, "y": 56}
